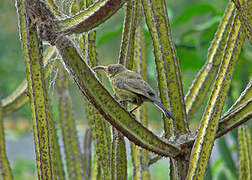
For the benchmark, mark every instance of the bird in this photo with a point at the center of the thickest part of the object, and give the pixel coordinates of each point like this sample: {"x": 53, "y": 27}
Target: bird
{"x": 129, "y": 86}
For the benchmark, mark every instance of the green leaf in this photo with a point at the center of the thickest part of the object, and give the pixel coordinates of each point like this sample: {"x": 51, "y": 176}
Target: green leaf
{"x": 226, "y": 155}
{"x": 208, "y": 24}
{"x": 108, "y": 36}
{"x": 195, "y": 10}
{"x": 216, "y": 165}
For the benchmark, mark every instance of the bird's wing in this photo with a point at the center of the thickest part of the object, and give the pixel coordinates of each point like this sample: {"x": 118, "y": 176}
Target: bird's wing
{"x": 133, "y": 75}
{"x": 137, "y": 85}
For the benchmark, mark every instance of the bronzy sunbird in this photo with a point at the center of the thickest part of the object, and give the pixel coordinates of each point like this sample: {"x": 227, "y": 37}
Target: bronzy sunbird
{"x": 130, "y": 86}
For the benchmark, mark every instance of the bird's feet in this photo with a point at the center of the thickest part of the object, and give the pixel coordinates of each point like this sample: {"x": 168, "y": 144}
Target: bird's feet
{"x": 122, "y": 101}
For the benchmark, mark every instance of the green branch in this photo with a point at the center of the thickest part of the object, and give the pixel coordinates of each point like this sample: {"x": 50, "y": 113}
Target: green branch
{"x": 120, "y": 157}
{"x": 203, "y": 81}
{"x": 90, "y": 18}
{"x": 69, "y": 131}
{"x": 169, "y": 78}
{"x": 245, "y": 16}
{"x": 249, "y": 142}
{"x": 54, "y": 8}
{"x": 46, "y": 147}
{"x": 128, "y": 13}
{"x": 99, "y": 127}
{"x": 130, "y": 52}
{"x": 239, "y": 112}
{"x": 87, "y": 154}
{"x": 209, "y": 123}
{"x": 106, "y": 104}
{"x": 5, "y": 170}
{"x": 19, "y": 97}
{"x": 244, "y": 162}
{"x": 140, "y": 157}
{"x": 239, "y": 116}
{"x": 245, "y": 96}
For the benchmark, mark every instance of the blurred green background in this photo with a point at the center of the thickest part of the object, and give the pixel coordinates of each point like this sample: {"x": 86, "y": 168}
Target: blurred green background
{"x": 193, "y": 26}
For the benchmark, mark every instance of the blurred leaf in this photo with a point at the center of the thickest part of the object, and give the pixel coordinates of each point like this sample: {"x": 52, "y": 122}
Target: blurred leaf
{"x": 109, "y": 35}
{"x": 233, "y": 148}
{"x": 212, "y": 21}
{"x": 202, "y": 32}
{"x": 157, "y": 168}
{"x": 222, "y": 175}
{"x": 208, "y": 33}
{"x": 190, "y": 33}
{"x": 195, "y": 10}
{"x": 216, "y": 165}
{"x": 189, "y": 59}
{"x": 148, "y": 40}
{"x": 24, "y": 169}
{"x": 226, "y": 155}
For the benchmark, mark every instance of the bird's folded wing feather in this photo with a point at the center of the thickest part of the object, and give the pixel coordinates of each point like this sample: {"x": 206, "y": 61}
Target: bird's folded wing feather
{"x": 139, "y": 87}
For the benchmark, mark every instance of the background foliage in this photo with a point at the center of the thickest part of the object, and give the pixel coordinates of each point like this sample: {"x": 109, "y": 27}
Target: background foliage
{"x": 193, "y": 26}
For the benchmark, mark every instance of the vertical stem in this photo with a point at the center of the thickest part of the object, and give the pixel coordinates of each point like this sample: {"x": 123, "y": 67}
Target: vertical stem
{"x": 169, "y": 79}
{"x": 209, "y": 123}
{"x": 244, "y": 164}
{"x": 5, "y": 170}
{"x": 99, "y": 127}
{"x": 121, "y": 158}
{"x": 87, "y": 153}
{"x": 38, "y": 101}
{"x": 69, "y": 132}
{"x": 140, "y": 156}
{"x": 203, "y": 81}
{"x": 63, "y": 122}
{"x": 126, "y": 32}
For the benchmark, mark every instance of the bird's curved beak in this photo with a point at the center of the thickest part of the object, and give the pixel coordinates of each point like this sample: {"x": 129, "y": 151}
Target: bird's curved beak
{"x": 104, "y": 68}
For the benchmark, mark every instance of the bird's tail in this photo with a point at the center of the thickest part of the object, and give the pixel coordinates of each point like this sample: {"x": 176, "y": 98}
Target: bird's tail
{"x": 167, "y": 113}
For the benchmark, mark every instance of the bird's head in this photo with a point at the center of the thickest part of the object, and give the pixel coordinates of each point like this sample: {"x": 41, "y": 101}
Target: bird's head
{"x": 111, "y": 69}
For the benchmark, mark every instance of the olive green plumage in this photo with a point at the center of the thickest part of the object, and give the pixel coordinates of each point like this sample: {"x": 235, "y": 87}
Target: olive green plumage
{"x": 130, "y": 86}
